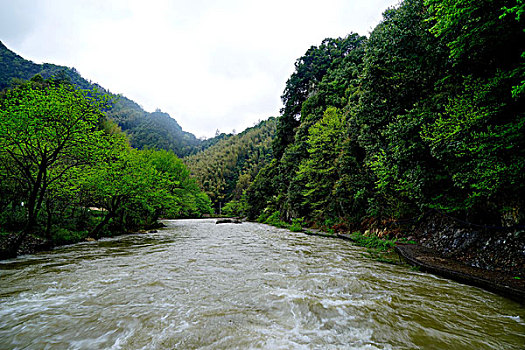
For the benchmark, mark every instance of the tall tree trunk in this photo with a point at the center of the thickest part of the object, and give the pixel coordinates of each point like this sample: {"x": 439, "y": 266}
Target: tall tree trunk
{"x": 96, "y": 231}
{"x": 49, "y": 213}
{"x": 36, "y": 195}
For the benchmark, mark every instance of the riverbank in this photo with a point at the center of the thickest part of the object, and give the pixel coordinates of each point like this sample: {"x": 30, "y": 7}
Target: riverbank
{"x": 428, "y": 260}
{"x": 32, "y": 244}
{"x": 490, "y": 259}
{"x": 486, "y": 247}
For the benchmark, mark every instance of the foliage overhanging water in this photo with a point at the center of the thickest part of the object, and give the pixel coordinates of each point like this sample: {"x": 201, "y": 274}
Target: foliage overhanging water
{"x": 200, "y": 285}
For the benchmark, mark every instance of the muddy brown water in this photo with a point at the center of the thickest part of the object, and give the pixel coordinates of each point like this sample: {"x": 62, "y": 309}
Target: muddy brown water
{"x": 197, "y": 285}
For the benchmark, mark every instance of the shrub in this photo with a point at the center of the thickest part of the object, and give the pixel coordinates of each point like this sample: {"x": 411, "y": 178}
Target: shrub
{"x": 275, "y": 220}
{"x": 297, "y": 225}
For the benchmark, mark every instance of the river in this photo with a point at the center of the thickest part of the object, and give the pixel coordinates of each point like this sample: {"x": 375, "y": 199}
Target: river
{"x": 195, "y": 284}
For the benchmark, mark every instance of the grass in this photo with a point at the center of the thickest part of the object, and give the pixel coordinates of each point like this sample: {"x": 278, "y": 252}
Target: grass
{"x": 372, "y": 241}
{"x": 274, "y": 220}
{"x": 297, "y": 225}
{"x": 378, "y": 248}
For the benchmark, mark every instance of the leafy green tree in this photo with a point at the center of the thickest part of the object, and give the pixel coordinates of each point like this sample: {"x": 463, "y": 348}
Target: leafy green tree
{"x": 263, "y": 191}
{"x": 234, "y": 208}
{"x": 126, "y": 188}
{"x": 482, "y": 152}
{"x": 45, "y": 132}
{"x": 478, "y": 36}
{"x": 309, "y": 72}
{"x": 518, "y": 11}
{"x": 402, "y": 64}
{"x": 478, "y": 132}
{"x": 185, "y": 196}
{"x": 319, "y": 172}
{"x": 135, "y": 188}
{"x": 329, "y": 75}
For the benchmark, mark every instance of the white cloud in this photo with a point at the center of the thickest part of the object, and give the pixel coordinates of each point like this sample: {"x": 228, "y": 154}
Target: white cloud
{"x": 210, "y": 64}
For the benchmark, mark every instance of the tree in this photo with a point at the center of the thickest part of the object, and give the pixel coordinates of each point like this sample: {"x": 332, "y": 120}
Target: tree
{"x": 518, "y": 10}
{"x": 263, "y": 190}
{"x": 324, "y": 77}
{"x": 479, "y": 140}
{"x": 47, "y": 130}
{"x": 478, "y": 36}
{"x": 184, "y": 196}
{"x": 225, "y": 169}
{"x": 478, "y": 132}
{"x": 309, "y": 72}
{"x": 319, "y": 172}
{"x": 402, "y": 63}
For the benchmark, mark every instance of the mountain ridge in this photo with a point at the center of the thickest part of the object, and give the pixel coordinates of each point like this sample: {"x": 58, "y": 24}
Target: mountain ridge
{"x": 157, "y": 130}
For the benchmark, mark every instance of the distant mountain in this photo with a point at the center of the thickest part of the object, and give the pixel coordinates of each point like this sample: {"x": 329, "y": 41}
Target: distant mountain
{"x": 145, "y": 130}
{"x": 13, "y": 68}
{"x": 152, "y": 130}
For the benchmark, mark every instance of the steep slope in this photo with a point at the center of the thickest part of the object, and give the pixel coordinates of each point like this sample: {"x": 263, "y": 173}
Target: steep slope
{"x": 13, "y": 67}
{"x": 155, "y": 130}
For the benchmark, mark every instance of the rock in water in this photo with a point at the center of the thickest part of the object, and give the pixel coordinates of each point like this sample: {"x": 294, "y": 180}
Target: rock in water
{"x": 228, "y": 221}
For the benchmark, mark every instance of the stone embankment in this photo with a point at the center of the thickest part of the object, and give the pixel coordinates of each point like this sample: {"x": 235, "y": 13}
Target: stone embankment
{"x": 489, "y": 258}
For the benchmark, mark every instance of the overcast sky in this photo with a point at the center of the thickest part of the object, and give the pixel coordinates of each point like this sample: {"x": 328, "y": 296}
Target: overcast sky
{"x": 210, "y": 64}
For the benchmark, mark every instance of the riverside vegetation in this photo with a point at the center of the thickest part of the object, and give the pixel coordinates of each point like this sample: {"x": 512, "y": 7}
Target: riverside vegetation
{"x": 422, "y": 118}
{"x": 426, "y": 113}
{"x": 67, "y": 172}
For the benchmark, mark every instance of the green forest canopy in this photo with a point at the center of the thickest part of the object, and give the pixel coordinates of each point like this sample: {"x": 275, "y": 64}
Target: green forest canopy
{"x": 228, "y": 167}
{"x": 425, "y": 113}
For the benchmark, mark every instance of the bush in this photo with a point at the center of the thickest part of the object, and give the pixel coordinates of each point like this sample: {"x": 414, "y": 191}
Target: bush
{"x": 13, "y": 219}
{"x": 275, "y": 220}
{"x": 64, "y": 236}
{"x": 234, "y": 208}
{"x": 373, "y": 241}
{"x": 297, "y": 225}
{"x": 264, "y": 216}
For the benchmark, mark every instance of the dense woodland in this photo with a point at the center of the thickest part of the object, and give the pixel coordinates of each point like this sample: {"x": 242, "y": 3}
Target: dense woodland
{"x": 427, "y": 113}
{"x": 67, "y": 172}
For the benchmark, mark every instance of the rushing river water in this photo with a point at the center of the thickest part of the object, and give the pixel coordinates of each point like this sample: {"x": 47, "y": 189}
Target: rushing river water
{"x": 195, "y": 284}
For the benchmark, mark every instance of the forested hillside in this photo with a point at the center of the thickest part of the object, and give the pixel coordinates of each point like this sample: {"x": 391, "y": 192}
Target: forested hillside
{"x": 156, "y": 130}
{"x": 228, "y": 167}
{"x": 427, "y": 113}
{"x": 145, "y": 130}
{"x": 14, "y": 68}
